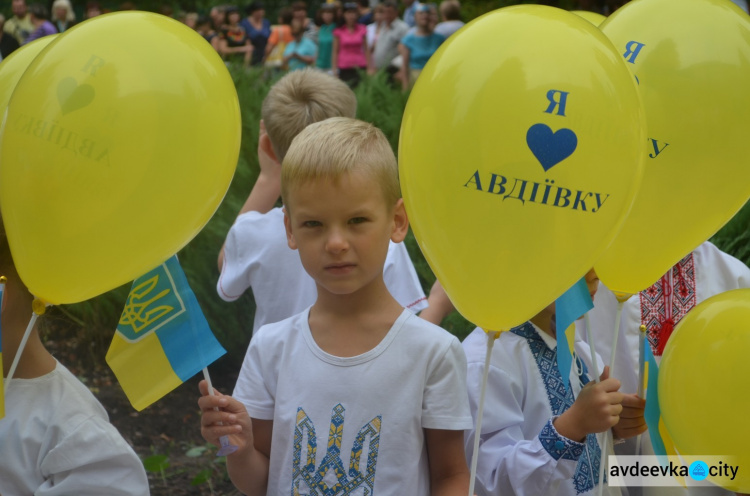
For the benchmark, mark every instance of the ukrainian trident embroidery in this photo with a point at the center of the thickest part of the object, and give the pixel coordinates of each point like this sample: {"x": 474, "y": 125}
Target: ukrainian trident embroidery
{"x": 331, "y": 478}
{"x": 560, "y": 399}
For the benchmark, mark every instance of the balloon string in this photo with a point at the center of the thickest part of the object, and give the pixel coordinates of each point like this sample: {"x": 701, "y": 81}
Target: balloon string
{"x": 592, "y": 348}
{"x": 608, "y": 434}
{"x": 21, "y": 347}
{"x": 491, "y": 337}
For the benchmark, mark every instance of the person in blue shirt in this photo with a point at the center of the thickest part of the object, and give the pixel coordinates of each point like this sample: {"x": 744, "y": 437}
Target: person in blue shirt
{"x": 301, "y": 52}
{"x": 417, "y": 48}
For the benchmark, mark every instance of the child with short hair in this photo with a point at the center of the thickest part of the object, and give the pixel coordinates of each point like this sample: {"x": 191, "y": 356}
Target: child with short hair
{"x": 538, "y": 435}
{"x": 255, "y": 254}
{"x": 56, "y": 438}
{"x": 354, "y": 394}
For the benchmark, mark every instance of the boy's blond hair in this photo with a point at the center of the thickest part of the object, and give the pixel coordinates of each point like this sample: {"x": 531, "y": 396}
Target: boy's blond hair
{"x": 337, "y": 146}
{"x": 299, "y": 99}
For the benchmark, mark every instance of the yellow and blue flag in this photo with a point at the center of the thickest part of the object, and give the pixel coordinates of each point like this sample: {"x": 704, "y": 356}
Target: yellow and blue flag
{"x": 661, "y": 441}
{"x": 569, "y": 307}
{"x": 2, "y": 392}
{"x": 162, "y": 338}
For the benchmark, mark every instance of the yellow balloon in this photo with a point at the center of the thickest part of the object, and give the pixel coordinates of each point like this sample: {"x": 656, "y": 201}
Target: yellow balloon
{"x": 119, "y": 143}
{"x": 520, "y": 153}
{"x": 703, "y": 380}
{"x": 692, "y": 61}
{"x": 13, "y": 67}
{"x": 592, "y": 17}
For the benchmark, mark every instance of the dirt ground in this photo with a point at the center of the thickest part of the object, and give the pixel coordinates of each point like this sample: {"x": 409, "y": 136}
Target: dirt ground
{"x": 166, "y": 435}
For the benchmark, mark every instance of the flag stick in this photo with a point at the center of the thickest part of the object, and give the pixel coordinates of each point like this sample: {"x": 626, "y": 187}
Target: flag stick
{"x": 491, "y": 337}
{"x": 641, "y": 367}
{"x": 226, "y": 448}
{"x": 608, "y": 434}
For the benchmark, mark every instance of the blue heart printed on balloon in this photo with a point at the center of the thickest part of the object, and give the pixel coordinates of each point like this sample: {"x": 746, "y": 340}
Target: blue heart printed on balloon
{"x": 548, "y": 147}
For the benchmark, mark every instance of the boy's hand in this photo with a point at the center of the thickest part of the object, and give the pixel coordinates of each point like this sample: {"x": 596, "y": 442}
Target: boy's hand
{"x": 223, "y": 415}
{"x": 632, "y": 421}
{"x": 596, "y": 409}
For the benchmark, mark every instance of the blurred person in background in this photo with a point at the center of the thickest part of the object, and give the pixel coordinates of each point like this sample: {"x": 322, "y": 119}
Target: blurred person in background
{"x": 40, "y": 19}
{"x": 374, "y": 28}
{"x": 350, "y": 52}
{"x": 205, "y": 28}
{"x": 258, "y": 29}
{"x": 450, "y": 10}
{"x": 281, "y": 34}
{"x": 8, "y": 44}
{"x": 234, "y": 44}
{"x": 327, "y": 22}
{"x": 365, "y": 12}
{"x": 218, "y": 17}
{"x": 417, "y": 48}
{"x": 93, "y": 9}
{"x": 300, "y": 53}
{"x": 19, "y": 26}
{"x": 299, "y": 12}
{"x": 63, "y": 16}
{"x": 390, "y": 33}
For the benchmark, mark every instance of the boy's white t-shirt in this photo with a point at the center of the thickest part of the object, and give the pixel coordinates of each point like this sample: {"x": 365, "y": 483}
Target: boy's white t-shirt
{"x": 256, "y": 255}
{"x": 354, "y": 421}
{"x": 56, "y": 440}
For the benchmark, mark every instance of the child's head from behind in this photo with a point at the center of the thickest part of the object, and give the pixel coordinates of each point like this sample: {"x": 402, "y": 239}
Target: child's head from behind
{"x": 339, "y": 184}
{"x": 299, "y": 99}
{"x": 338, "y": 146}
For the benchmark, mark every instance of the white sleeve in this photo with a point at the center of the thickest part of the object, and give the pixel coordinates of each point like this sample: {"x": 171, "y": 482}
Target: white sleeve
{"x": 445, "y": 404}
{"x": 93, "y": 460}
{"x": 508, "y": 462}
{"x": 718, "y": 271}
{"x": 239, "y": 255}
{"x": 256, "y": 387}
{"x": 401, "y": 279}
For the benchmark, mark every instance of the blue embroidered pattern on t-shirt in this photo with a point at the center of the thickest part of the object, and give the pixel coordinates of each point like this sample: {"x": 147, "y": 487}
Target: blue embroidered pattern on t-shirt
{"x": 560, "y": 399}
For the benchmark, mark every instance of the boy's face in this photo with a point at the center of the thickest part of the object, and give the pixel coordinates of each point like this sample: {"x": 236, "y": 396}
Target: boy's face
{"x": 342, "y": 230}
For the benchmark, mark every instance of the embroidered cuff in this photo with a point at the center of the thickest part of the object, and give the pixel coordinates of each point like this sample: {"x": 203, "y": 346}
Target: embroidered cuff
{"x": 559, "y": 446}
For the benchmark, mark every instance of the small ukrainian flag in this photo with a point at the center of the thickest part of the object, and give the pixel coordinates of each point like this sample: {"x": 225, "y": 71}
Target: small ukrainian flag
{"x": 569, "y": 307}
{"x": 162, "y": 338}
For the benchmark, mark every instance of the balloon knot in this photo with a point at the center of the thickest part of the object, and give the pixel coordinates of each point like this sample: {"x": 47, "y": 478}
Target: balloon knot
{"x": 39, "y": 306}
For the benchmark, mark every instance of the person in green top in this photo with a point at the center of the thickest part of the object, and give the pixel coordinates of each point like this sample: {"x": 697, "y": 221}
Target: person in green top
{"x": 327, "y": 20}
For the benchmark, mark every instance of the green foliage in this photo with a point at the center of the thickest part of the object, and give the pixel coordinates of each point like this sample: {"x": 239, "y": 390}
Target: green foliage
{"x": 734, "y": 238}
{"x": 156, "y": 464}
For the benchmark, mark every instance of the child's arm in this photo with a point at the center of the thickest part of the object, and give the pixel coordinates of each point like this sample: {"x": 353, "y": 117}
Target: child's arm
{"x": 439, "y": 305}
{"x": 267, "y": 187}
{"x": 510, "y": 461}
{"x": 225, "y": 416}
{"x": 596, "y": 409}
{"x": 404, "y": 51}
{"x": 449, "y": 474}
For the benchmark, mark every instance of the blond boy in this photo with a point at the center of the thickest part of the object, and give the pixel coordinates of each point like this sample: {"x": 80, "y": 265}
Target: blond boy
{"x": 355, "y": 395}
{"x": 255, "y": 254}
